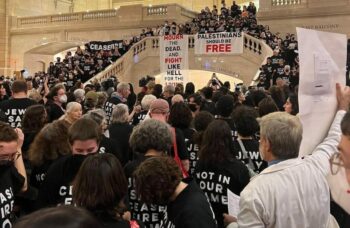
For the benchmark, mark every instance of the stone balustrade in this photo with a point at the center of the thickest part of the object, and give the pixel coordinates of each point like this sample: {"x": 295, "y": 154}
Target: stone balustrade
{"x": 146, "y": 13}
{"x": 285, "y": 2}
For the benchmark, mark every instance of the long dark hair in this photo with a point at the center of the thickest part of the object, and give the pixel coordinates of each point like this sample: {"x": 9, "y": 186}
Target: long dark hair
{"x": 34, "y": 119}
{"x": 100, "y": 186}
{"x": 217, "y": 143}
{"x": 293, "y": 99}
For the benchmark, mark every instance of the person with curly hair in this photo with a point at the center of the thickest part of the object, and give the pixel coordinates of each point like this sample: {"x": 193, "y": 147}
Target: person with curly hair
{"x": 149, "y": 139}
{"x": 246, "y": 147}
{"x": 159, "y": 181}
{"x": 101, "y": 187}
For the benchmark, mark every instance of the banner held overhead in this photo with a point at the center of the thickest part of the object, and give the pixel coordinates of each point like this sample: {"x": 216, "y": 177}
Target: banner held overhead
{"x": 219, "y": 43}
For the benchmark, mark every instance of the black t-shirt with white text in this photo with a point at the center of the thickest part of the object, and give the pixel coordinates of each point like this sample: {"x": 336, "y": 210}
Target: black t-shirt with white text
{"x": 109, "y": 106}
{"x": 230, "y": 123}
{"x": 139, "y": 117}
{"x": 11, "y": 183}
{"x": 252, "y": 148}
{"x": 192, "y": 148}
{"x": 14, "y": 109}
{"x": 38, "y": 174}
{"x": 110, "y": 146}
{"x": 190, "y": 209}
{"x": 150, "y": 215}
{"x": 57, "y": 186}
{"x": 216, "y": 179}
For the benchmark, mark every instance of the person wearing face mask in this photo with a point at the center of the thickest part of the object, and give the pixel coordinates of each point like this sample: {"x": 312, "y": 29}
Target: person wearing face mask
{"x": 12, "y": 172}
{"x": 84, "y": 137}
{"x": 57, "y": 98}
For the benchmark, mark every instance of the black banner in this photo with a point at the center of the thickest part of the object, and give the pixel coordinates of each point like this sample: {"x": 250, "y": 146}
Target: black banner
{"x": 105, "y": 45}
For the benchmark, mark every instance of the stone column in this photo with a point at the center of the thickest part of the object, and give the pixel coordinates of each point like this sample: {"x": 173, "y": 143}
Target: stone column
{"x": 3, "y": 38}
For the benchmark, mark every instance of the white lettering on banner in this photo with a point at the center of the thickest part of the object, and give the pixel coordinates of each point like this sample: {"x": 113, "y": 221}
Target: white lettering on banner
{"x": 174, "y": 59}
{"x": 219, "y": 43}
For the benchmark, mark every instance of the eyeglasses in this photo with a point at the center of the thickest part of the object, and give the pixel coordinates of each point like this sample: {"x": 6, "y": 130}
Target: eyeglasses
{"x": 9, "y": 158}
{"x": 336, "y": 162}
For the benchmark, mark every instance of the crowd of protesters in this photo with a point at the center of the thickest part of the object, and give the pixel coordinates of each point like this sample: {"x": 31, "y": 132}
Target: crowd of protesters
{"x": 182, "y": 149}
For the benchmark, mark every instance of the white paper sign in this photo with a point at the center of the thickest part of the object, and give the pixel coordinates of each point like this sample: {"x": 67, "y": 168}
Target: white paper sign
{"x": 174, "y": 59}
{"x": 322, "y": 59}
{"x": 233, "y": 203}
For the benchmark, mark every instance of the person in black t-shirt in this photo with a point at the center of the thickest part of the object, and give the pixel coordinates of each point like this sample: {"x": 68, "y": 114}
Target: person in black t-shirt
{"x": 181, "y": 117}
{"x": 120, "y": 131}
{"x": 149, "y": 139}
{"x": 201, "y": 122}
{"x": 158, "y": 181}
{"x": 50, "y": 144}
{"x": 13, "y": 178}
{"x": 101, "y": 176}
{"x": 15, "y": 108}
{"x": 56, "y": 99}
{"x": 207, "y": 104}
{"x": 123, "y": 91}
{"x": 145, "y": 104}
{"x": 159, "y": 110}
{"x": 246, "y": 148}
{"x": 224, "y": 109}
{"x": 218, "y": 170}
{"x": 84, "y": 137}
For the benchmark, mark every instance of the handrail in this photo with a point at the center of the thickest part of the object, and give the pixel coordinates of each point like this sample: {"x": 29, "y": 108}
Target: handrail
{"x": 252, "y": 45}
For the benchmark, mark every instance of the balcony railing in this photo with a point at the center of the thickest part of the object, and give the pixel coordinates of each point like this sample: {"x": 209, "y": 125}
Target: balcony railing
{"x": 285, "y": 2}
{"x": 171, "y": 11}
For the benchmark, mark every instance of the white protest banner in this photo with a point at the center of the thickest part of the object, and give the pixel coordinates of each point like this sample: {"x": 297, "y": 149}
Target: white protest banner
{"x": 219, "y": 43}
{"x": 322, "y": 58}
{"x": 174, "y": 59}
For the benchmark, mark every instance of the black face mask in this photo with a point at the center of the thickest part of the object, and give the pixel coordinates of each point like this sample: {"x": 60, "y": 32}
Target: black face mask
{"x": 6, "y": 164}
